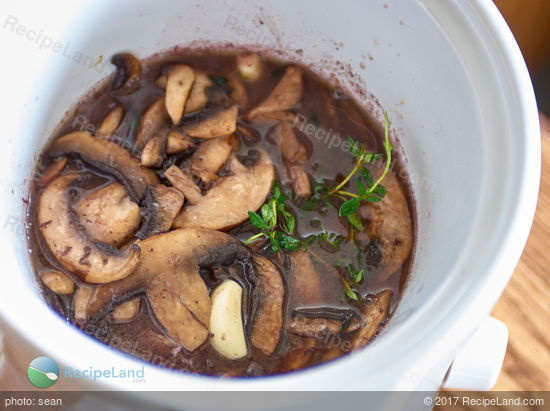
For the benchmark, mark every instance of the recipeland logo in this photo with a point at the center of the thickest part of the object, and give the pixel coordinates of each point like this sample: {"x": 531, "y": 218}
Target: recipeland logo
{"x": 94, "y": 374}
{"x": 43, "y": 372}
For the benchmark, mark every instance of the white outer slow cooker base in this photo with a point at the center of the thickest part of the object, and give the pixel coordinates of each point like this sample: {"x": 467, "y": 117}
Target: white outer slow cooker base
{"x": 460, "y": 101}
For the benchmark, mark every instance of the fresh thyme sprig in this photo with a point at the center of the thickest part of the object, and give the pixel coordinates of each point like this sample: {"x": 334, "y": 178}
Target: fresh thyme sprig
{"x": 367, "y": 188}
{"x": 355, "y": 277}
{"x": 371, "y": 192}
{"x": 275, "y": 213}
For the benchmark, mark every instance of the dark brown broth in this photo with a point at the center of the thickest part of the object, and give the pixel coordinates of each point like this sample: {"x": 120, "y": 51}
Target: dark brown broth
{"x": 143, "y": 336}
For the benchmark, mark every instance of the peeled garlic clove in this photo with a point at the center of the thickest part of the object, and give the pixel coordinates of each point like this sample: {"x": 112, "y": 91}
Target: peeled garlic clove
{"x": 226, "y": 322}
{"x": 249, "y": 66}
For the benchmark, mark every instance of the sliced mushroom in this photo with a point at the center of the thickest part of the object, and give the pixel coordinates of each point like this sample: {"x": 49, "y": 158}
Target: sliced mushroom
{"x": 91, "y": 260}
{"x": 81, "y": 300}
{"x": 319, "y": 326}
{"x": 127, "y": 75}
{"x": 58, "y": 282}
{"x": 184, "y": 183}
{"x": 211, "y": 157}
{"x": 238, "y": 93}
{"x": 169, "y": 274}
{"x": 305, "y": 283}
{"x": 110, "y": 123}
{"x": 161, "y": 204}
{"x": 286, "y": 94}
{"x": 181, "y": 303}
{"x": 226, "y": 321}
{"x": 300, "y": 180}
{"x": 227, "y": 203}
{"x": 389, "y": 233}
{"x": 107, "y": 156}
{"x": 52, "y": 171}
{"x": 176, "y": 142}
{"x": 249, "y": 66}
{"x": 375, "y": 313}
{"x": 179, "y": 80}
{"x": 198, "y": 98}
{"x": 154, "y": 117}
{"x": 153, "y": 152}
{"x": 300, "y": 351}
{"x": 220, "y": 123}
{"x": 285, "y": 138}
{"x": 126, "y": 311}
{"x": 109, "y": 215}
{"x": 270, "y": 293}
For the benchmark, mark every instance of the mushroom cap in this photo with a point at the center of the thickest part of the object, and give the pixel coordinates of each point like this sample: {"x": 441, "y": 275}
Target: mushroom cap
{"x": 109, "y": 215}
{"x": 390, "y": 232}
{"x": 91, "y": 260}
{"x": 127, "y": 75}
{"x": 108, "y": 156}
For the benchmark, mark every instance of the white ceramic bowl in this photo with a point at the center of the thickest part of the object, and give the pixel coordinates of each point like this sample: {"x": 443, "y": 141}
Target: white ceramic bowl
{"x": 460, "y": 101}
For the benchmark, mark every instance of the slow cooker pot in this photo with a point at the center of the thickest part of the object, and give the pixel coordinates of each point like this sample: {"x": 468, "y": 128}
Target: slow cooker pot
{"x": 460, "y": 103}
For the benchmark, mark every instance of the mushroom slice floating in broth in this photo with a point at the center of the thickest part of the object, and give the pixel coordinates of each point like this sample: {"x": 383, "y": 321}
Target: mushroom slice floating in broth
{"x": 286, "y": 94}
{"x": 184, "y": 184}
{"x": 160, "y": 206}
{"x": 227, "y": 203}
{"x": 375, "y": 313}
{"x": 154, "y": 117}
{"x": 309, "y": 326}
{"x": 152, "y": 154}
{"x": 198, "y": 98}
{"x": 181, "y": 303}
{"x": 109, "y": 157}
{"x": 127, "y": 75}
{"x": 211, "y": 157}
{"x": 110, "y": 123}
{"x": 389, "y": 233}
{"x": 93, "y": 261}
{"x": 168, "y": 273}
{"x": 176, "y": 142}
{"x": 304, "y": 283}
{"x": 179, "y": 80}
{"x": 219, "y": 123}
{"x": 52, "y": 171}
{"x": 270, "y": 294}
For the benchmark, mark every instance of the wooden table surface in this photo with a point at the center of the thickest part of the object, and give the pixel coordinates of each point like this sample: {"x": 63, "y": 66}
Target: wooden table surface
{"x": 524, "y": 306}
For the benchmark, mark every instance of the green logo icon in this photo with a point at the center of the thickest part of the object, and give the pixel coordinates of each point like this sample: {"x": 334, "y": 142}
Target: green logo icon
{"x": 43, "y": 372}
